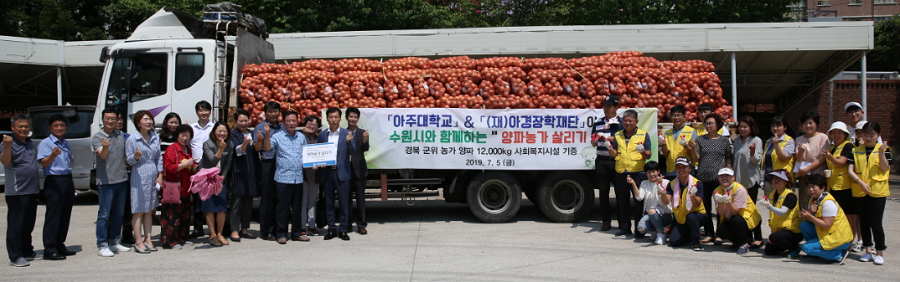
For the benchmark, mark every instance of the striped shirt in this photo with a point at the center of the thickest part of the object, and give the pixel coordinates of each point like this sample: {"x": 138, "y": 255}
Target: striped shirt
{"x": 607, "y": 130}
{"x": 145, "y": 170}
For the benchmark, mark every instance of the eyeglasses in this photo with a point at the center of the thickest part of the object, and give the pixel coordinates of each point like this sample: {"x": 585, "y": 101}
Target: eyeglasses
{"x": 110, "y": 119}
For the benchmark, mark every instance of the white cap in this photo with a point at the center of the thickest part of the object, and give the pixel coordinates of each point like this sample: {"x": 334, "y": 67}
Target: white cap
{"x": 839, "y": 125}
{"x": 780, "y": 174}
{"x": 860, "y": 124}
{"x": 726, "y": 170}
{"x": 848, "y": 105}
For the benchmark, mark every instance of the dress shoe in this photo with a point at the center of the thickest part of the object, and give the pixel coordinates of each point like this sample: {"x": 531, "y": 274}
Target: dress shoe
{"x": 233, "y": 239}
{"x": 301, "y": 238}
{"x": 315, "y": 232}
{"x": 54, "y": 257}
{"x": 303, "y": 232}
{"x": 362, "y": 231}
{"x": 247, "y": 235}
{"x": 623, "y": 232}
{"x": 270, "y": 237}
{"x": 638, "y": 235}
{"x": 606, "y": 226}
{"x": 282, "y": 240}
{"x": 215, "y": 242}
{"x": 66, "y": 252}
{"x": 196, "y": 234}
{"x": 344, "y": 236}
{"x": 331, "y": 234}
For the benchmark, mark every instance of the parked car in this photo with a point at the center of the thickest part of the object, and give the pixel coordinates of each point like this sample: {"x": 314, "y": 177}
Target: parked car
{"x": 78, "y": 134}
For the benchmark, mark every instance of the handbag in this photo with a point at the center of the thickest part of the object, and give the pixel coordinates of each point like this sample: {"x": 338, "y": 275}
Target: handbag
{"x": 171, "y": 193}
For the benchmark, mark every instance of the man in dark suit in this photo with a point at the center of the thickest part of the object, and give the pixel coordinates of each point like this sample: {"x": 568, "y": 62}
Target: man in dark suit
{"x": 360, "y": 170}
{"x": 337, "y": 178}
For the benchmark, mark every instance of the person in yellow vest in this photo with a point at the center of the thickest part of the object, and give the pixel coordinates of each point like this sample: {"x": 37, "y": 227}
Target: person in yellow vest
{"x": 825, "y": 227}
{"x": 871, "y": 166}
{"x": 676, "y": 140}
{"x": 838, "y": 175}
{"x": 737, "y": 213}
{"x": 685, "y": 197}
{"x": 784, "y": 216}
{"x": 780, "y": 156}
{"x": 631, "y": 149}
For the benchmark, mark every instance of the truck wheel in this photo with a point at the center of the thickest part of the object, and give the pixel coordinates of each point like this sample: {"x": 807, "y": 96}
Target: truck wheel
{"x": 565, "y": 196}
{"x": 494, "y": 196}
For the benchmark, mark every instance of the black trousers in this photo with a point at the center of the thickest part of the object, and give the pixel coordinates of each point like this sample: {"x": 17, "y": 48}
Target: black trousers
{"x": 20, "y": 218}
{"x": 241, "y": 209}
{"x": 59, "y": 191}
{"x": 782, "y": 241}
{"x": 359, "y": 189}
{"x": 606, "y": 170}
{"x": 332, "y": 187}
{"x": 290, "y": 196}
{"x": 267, "y": 198}
{"x": 734, "y": 229}
{"x": 624, "y": 195}
{"x": 708, "y": 189}
{"x": 689, "y": 232}
{"x": 871, "y": 214}
{"x": 199, "y": 218}
{"x": 756, "y": 233}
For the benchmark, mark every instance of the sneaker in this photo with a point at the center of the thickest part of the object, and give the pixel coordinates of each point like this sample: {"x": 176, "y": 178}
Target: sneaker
{"x": 105, "y": 252}
{"x": 660, "y": 239}
{"x": 119, "y": 248}
{"x": 743, "y": 249}
{"x": 879, "y": 260}
{"x": 856, "y": 246}
{"x": 794, "y": 253}
{"x": 21, "y": 262}
{"x": 867, "y": 257}
{"x": 697, "y": 247}
{"x": 844, "y": 255}
{"x": 177, "y": 247}
{"x": 188, "y": 243}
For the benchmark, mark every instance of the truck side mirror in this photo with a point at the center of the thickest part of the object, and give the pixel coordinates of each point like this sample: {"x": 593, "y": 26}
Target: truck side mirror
{"x": 104, "y": 54}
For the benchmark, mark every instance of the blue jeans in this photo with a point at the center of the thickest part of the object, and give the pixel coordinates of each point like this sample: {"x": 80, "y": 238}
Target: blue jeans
{"x": 814, "y": 248}
{"x": 109, "y": 217}
{"x": 658, "y": 222}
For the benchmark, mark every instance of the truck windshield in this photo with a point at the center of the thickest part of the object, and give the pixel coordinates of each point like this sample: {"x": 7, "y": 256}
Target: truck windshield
{"x": 147, "y": 79}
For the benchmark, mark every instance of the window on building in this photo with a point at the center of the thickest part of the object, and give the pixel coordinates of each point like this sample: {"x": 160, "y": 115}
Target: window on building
{"x": 885, "y": 1}
{"x": 823, "y": 3}
{"x": 855, "y": 2}
{"x": 878, "y": 19}
{"x": 852, "y": 19}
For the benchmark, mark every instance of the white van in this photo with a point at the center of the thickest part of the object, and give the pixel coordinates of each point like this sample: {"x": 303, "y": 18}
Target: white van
{"x": 78, "y": 134}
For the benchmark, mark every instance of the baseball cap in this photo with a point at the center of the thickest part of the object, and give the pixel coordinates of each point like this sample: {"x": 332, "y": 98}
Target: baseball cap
{"x": 612, "y": 100}
{"x": 726, "y": 171}
{"x": 839, "y": 125}
{"x": 852, "y": 104}
{"x": 682, "y": 161}
{"x": 860, "y": 124}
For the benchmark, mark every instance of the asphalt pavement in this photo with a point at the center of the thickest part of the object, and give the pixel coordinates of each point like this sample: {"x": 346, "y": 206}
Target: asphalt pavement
{"x": 429, "y": 240}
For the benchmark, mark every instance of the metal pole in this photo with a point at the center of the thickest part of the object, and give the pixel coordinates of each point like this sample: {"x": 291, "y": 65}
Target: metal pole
{"x": 734, "y": 108}
{"x": 863, "y": 82}
{"x": 58, "y": 86}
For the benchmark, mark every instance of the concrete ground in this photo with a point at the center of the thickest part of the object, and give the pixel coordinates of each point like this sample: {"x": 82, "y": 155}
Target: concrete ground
{"x": 428, "y": 240}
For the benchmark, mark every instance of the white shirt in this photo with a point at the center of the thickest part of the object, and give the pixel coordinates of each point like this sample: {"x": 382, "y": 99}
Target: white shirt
{"x": 829, "y": 209}
{"x": 333, "y": 137}
{"x": 650, "y": 197}
{"x": 201, "y": 134}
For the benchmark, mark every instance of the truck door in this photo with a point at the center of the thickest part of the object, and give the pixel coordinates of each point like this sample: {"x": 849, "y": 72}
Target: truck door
{"x": 137, "y": 79}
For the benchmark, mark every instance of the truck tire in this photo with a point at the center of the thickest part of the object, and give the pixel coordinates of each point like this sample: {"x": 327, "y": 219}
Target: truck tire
{"x": 494, "y": 196}
{"x": 565, "y": 196}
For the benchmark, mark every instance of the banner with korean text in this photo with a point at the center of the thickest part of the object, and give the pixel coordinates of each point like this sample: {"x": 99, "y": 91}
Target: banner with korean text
{"x": 516, "y": 139}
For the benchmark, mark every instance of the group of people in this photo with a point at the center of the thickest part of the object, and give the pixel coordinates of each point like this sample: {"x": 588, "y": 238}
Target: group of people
{"x": 824, "y": 190}
{"x": 136, "y": 168}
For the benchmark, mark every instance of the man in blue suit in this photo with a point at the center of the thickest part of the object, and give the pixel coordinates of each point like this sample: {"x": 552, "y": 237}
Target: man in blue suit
{"x": 337, "y": 178}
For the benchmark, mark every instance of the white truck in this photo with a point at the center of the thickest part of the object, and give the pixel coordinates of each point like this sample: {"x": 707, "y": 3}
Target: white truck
{"x": 165, "y": 66}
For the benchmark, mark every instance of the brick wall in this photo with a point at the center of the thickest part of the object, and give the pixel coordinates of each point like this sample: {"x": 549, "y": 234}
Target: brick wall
{"x": 864, "y": 11}
{"x": 883, "y": 97}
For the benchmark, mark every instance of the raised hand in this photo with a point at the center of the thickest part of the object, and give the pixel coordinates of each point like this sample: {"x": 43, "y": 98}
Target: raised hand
{"x": 629, "y": 180}
{"x": 693, "y": 190}
{"x": 882, "y": 149}
{"x": 56, "y": 151}
{"x": 752, "y": 148}
{"x": 692, "y": 144}
{"x": 660, "y": 190}
{"x": 366, "y": 136}
{"x": 349, "y": 137}
{"x": 764, "y": 204}
{"x": 137, "y": 154}
{"x": 260, "y": 135}
{"x": 7, "y": 140}
{"x": 104, "y": 142}
{"x": 268, "y": 130}
{"x": 220, "y": 143}
{"x": 248, "y": 140}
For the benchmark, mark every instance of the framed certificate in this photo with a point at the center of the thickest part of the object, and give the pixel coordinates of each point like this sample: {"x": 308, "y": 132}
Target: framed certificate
{"x": 322, "y": 154}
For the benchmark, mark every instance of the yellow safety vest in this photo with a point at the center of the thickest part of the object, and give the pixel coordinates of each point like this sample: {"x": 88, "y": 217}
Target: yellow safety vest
{"x": 840, "y": 178}
{"x": 681, "y": 211}
{"x": 839, "y": 233}
{"x": 789, "y": 221}
{"x": 869, "y": 170}
{"x": 675, "y": 148}
{"x": 776, "y": 163}
{"x": 749, "y": 213}
{"x": 628, "y": 157}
